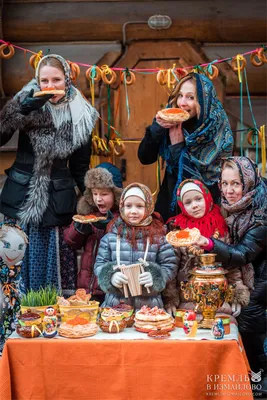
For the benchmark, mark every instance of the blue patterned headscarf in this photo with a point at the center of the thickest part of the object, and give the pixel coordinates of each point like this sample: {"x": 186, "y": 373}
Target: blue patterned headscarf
{"x": 207, "y": 142}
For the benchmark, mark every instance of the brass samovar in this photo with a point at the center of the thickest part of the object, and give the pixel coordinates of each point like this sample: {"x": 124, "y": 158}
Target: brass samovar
{"x": 208, "y": 287}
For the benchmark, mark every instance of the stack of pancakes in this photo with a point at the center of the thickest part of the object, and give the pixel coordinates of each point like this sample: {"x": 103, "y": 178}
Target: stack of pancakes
{"x": 148, "y": 319}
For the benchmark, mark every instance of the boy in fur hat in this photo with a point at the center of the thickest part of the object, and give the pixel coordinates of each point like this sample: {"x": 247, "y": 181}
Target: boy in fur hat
{"x": 101, "y": 197}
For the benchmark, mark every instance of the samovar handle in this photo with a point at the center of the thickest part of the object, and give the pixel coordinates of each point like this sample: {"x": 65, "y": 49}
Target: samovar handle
{"x": 230, "y": 293}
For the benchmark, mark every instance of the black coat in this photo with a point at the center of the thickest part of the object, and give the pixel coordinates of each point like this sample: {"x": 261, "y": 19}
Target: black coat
{"x": 65, "y": 174}
{"x": 250, "y": 249}
{"x": 148, "y": 153}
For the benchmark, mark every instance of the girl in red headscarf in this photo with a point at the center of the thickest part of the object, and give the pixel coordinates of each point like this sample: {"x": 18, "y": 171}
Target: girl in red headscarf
{"x": 199, "y": 211}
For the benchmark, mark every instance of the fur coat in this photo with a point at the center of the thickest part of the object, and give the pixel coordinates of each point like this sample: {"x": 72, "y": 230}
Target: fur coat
{"x": 52, "y": 158}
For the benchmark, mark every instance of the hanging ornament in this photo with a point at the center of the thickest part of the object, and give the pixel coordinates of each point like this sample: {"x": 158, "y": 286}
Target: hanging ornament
{"x": 238, "y": 63}
{"x": 211, "y": 71}
{"x": 74, "y": 70}
{"x": 11, "y": 51}
{"x": 118, "y": 147}
{"x": 35, "y": 59}
{"x": 253, "y": 135}
{"x": 93, "y": 73}
{"x": 255, "y": 59}
{"x": 128, "y": 77}
{"x": 161, "y": 77}
{"x": 108, "y": 75}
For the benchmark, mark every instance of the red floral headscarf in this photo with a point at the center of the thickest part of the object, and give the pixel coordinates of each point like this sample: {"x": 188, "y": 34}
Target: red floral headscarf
{"x": 211, "y": 220}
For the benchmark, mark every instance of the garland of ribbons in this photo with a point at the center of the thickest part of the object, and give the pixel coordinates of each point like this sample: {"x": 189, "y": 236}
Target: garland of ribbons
{"x": 203, "y": 68}
{"x": 167, "y": 77}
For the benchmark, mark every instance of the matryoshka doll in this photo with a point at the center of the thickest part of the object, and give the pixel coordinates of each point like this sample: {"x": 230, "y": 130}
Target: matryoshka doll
{"x": 217, "y": 329}
{"x": 190, "y": 323}
{"x": 50, "y": 322}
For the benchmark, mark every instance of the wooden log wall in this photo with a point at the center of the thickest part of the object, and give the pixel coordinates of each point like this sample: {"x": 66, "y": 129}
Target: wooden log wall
{"x": 77, "y": 30}
{"x": 203, "y": 21}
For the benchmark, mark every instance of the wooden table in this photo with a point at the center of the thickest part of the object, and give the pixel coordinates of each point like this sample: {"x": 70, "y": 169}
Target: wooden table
{"x": 95, "y": 369}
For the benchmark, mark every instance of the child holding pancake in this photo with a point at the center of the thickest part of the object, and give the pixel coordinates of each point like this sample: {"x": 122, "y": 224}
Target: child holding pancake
{"x": 199, "y": 211}
{"x": 136, "y": 236}
{"x": 100, "y": 199}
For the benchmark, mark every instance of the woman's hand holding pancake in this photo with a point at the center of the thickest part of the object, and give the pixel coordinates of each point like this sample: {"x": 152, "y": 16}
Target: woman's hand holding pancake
{"x": 31, "y": 103}
{"x": 163, "y": 123}
{"x": 201, "y": 242}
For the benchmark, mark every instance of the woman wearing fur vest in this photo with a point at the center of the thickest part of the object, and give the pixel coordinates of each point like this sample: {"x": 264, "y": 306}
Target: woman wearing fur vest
{"x": 53, "y": 155}
{"x": 136, "y": 236}
{"x": 101, "y": 197}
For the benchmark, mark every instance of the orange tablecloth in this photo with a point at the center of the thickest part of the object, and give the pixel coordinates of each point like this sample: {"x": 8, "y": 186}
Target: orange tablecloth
{"x": 123, "y": 370}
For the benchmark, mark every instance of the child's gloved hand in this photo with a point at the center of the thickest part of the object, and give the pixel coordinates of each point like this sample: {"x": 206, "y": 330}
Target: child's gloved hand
{"x": 103, "y": 224}
{"x": 119, "y": 279}
{"x": 84, "y": 229}
{"x": 31, "y": 103}
{"x": 145, "y": 279}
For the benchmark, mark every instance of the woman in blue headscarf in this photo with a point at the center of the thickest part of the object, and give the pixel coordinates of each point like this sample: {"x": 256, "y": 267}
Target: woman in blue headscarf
{"x": 191, "y": 149}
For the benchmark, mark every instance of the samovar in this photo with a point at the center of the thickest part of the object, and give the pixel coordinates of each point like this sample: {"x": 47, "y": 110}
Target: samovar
{"x": 208, "y": 287}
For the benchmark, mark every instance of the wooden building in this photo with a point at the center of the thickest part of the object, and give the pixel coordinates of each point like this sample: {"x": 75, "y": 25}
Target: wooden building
{"x": 117, "y": 33}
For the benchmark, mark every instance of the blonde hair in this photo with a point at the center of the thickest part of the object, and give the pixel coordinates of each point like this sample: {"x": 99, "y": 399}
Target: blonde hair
{"x": 229, "y": 164}
{"x": 176, "y": 90}
{"x": 51, "y": 62}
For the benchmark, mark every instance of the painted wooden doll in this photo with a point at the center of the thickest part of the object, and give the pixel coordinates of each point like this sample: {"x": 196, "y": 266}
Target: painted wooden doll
{"x": 50, "y": 322}
{"x": 217, "y": 329}
{"x": 190, "y": 323}
{"x": 13, "y": 242}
